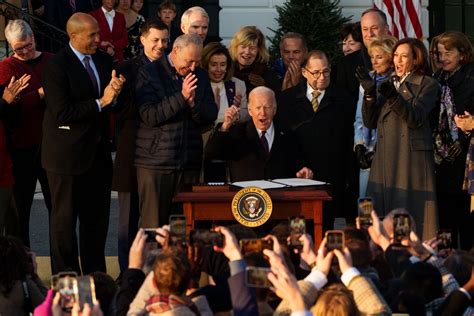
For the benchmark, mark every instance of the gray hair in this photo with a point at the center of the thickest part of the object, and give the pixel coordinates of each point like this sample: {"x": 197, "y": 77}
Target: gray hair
{"x": 187, "y": 39}
{"x": 17, "y": 30}
{"x": 190, "y": 11}
{"x": 265, "y": 91}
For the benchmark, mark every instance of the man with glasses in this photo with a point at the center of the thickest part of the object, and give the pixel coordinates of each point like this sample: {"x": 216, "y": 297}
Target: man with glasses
{"x": 317, "y": 111}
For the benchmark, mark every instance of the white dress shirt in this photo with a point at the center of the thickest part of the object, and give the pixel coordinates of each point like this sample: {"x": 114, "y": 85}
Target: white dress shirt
{"x": 109, "y": 16}
{"x": 309, "y": 93}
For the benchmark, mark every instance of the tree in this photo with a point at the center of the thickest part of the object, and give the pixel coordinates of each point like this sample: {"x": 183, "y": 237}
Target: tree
{"x": 319, "y": 21}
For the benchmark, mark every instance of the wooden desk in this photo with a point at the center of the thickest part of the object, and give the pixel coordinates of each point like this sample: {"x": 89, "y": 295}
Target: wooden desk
{"x": 216, "y": 205}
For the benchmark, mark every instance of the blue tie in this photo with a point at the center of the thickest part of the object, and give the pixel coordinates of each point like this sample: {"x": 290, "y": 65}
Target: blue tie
{"x": 91, "y": 73}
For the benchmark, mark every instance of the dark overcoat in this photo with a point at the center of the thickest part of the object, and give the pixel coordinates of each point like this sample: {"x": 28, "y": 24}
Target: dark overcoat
{"x": 402, "y": 172}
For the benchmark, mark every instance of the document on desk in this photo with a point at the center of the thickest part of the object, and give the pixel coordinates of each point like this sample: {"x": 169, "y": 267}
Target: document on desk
{"x": 262, "y": 184}
{"x": 297, "y": 182}
{"x": 278, "y": 183}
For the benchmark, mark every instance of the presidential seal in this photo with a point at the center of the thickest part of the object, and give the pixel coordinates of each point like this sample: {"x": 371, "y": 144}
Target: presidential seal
{"x": 252, "y": 206}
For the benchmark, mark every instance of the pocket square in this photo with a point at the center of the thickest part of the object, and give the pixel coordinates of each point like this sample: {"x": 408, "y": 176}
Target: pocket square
{"x": 64, "y": 127}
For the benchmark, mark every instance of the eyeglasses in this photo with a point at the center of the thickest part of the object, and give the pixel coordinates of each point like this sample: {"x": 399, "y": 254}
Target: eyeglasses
{"x": 316, "y": 74}
{"x": 22, "y": 49}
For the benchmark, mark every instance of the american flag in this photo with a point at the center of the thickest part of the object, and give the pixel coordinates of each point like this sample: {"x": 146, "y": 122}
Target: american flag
{"x": 403, "y": 17}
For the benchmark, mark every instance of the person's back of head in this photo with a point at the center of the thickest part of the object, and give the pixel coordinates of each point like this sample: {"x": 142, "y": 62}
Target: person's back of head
{"x": 335, "y": 300}
{"x": 410, "y": 303}
{"x": 15, "y": 263}
{"x": 358, "y": 243}
{"x": 425, "y": 279}
{"x": 460, "y": 263}
{"x": 172, "y": 272}
{"x": 105, "y": 290}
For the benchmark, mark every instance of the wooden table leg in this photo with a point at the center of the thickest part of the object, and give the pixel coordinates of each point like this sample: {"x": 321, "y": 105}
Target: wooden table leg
{"x": 189, "y": 214}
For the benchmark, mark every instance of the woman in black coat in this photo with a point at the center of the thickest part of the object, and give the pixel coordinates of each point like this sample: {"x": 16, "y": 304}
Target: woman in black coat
{"x": 250, "y": 57}
{"x": 451, "y": 144}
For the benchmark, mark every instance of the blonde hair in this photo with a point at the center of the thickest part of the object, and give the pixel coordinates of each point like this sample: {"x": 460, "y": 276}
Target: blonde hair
{"x": 385, "y": 43}
{"x": 335, "y": 300}
{"x": 246, "y": 36}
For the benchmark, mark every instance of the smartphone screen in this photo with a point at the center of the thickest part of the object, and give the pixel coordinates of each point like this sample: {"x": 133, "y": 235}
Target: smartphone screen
{"x": 401, "y": 228}
{"x": 334, "y": 240}
{"x": 86, "y": 291}
{"x": 365, "y": 206}
{"x": 66, "y": 286}
{"x": 445, "y": 239}
{"x": 255, "y": 245}
{"x": 297, "y": 229}
{"x": 177, "y": 229}
{"x": 257, "y": 277}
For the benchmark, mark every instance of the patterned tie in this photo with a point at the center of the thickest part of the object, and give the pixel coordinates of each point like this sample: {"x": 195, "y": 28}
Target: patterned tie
{"x": 72, "y": 3}
{"x": 91, "y": 73}
{"x": 264, "y": 142}
{"x": 314, "y": 102}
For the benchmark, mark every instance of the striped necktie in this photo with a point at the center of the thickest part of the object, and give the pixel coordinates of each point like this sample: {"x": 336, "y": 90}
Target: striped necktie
{"x": 314, "y": 102}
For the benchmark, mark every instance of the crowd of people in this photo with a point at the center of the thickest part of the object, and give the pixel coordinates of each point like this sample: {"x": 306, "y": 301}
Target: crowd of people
{"x": 391, "y": 121}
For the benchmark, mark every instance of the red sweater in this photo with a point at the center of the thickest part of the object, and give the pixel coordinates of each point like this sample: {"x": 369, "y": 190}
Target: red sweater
{"x": 27, "y": 132}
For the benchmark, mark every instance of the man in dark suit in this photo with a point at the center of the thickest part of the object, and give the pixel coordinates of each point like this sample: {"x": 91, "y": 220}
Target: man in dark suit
{"x": 174, "y": 101}
{"x": 317, "y": 112}
{"x": 78, "y": 90}
{"x": 113, "y": 32}
{"x": 154, "y": 38}
{"x": 373, "y": 23}
{"x": 257, "y": 149}
{"x": 57, "y": 12}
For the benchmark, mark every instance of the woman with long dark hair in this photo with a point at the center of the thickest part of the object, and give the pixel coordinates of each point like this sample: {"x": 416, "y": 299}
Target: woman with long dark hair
{"x": 402, "y": 172}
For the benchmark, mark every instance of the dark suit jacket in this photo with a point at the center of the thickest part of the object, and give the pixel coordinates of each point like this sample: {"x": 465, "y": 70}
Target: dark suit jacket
{"x": 345, "y": 76}
{"x": 125, "y": 174}
{"x": 57, "y": 12}
{"x": 325, "y": 136}
{"x": 73, "y": 128}
{"x": 241, "y": 147}
{"x": 118, "y": 37}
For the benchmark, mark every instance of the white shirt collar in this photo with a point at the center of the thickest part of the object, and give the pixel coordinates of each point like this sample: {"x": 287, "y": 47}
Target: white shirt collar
{"x": 309, "y": 93}
{"x": 78, "y": 53}
{"x": 109, "y": 13}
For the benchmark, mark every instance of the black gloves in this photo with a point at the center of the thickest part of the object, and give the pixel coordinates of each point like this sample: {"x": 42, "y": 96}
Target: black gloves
{"x": 387, "y": 89}
{"x": 368, "y": 83}
{"x": 364, "y": 158}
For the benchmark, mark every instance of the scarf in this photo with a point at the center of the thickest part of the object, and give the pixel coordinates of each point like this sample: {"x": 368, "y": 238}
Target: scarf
{"x": 447, "y": 132}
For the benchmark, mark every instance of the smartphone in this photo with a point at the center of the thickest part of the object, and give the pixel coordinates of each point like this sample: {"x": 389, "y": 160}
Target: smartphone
{"x": 365, "y": 206}
{"x": 334, "y": 240}
{"x": 177, "y": 229}
{"x": 255, "y": 245}
{"x": 150, "y": 234}
{"x": 297, "y": 229}
{"x": 257, "y": 277}
{"x": 66, "y": 285}
{"x": 445, "y": 238}
{"x": 86, "y": 291}
{"x": 401, "y": 228}
{"x": 204, "y": 237}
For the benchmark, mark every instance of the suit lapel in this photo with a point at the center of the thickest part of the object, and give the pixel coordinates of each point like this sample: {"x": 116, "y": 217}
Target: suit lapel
{"x": 77, "y": 67}
{"x": 301, "y": 99}
{"x": 254, "y": 139}
{"x": 104, "y": 24}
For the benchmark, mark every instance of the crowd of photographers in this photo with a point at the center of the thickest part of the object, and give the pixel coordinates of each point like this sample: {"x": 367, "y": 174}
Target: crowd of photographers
{"x": 379, "y": 268}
